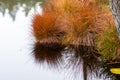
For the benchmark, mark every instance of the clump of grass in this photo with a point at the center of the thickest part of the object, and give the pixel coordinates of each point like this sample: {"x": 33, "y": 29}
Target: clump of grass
{"x": 83, "y": 23}
{"x": 47, "y": 29}
{"x": 43, "y": 25}
{"x": 107, "y": 42}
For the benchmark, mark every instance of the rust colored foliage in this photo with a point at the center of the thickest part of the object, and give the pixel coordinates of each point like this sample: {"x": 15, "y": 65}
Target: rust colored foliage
{"x": 44, "y": 26}
{"x": 75, "y": 20}
{"x": 80, "y": 14}
{"x": 85, "y": 19}
{"x": 84, "y": 24}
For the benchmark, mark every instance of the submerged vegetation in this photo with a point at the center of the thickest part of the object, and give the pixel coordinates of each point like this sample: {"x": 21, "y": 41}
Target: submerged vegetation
{"x": 83, "y": 28}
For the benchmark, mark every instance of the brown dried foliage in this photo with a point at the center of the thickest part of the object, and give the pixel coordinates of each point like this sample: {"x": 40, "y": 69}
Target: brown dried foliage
{"x": 84, "y": 23}
{"x": 45, "y": 28}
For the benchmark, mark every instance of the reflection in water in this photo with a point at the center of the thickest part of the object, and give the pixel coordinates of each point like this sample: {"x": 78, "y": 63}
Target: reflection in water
{"x": 86, "y": 58}
{"x": 75, "y": 58}
{"x": 51, "y": 54}
{"x": 14, "y": 5}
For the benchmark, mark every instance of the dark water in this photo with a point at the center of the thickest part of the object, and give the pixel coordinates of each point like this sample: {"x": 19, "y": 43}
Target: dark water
{"x": 23, "y": 59}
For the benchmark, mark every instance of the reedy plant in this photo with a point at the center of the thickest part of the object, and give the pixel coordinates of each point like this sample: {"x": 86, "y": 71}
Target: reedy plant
{"x": 49, "y": 28}
{"x": 83, "y": 23}
{"x": 45, "y": 29}
{"x": 81, "y": 16}
{"x": 43, "y": 25}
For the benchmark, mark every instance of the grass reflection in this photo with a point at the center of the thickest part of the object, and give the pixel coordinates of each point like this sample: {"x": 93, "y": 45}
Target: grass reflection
{"x": 85, "y": 58}
{"x": 51, "y": 54}
{"x": 82, "y": 59}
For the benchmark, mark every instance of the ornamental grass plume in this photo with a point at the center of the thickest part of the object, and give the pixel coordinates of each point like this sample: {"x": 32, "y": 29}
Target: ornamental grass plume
{"x": 81, "y": 16}
{"x": 83, "y": 22}
{"x": 48, "y": 28}
{"x": 43, "y": 25}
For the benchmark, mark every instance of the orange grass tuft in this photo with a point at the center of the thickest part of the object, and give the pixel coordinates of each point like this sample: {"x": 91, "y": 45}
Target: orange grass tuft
{"x": 81, "y": 16}
{"x": 49, "y": 28}
{"x": 83, "y": 21}
{"x": 44, "y": 25}
{"x": 75, "y": 20}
